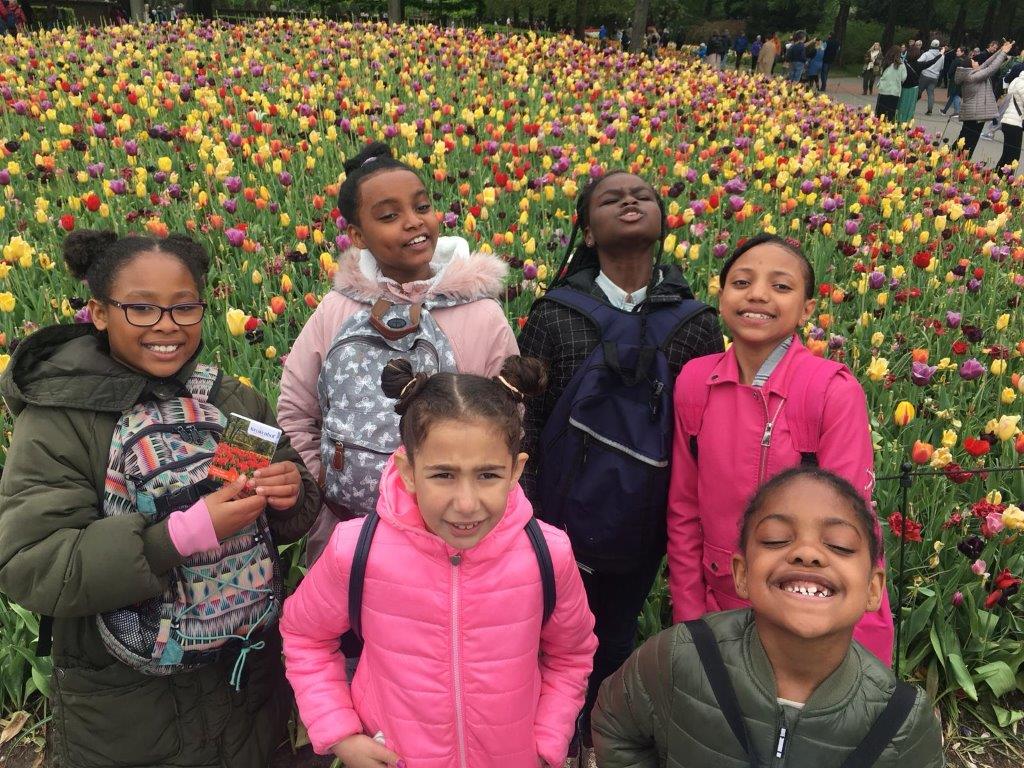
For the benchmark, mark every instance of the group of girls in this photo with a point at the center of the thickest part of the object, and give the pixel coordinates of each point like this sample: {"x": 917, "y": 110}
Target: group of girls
{"x": 469, "y": 635}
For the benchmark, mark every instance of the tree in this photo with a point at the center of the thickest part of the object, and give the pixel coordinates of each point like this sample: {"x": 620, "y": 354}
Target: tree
{"x": 640, "y": 11}
{"x": 924, "y": 32}
{"x": 394, "y": 11}
{"x": 990, "y": 20}
{"x": 579, "y": 24}
{"x": 957, "y": 35}
{"x": 839, "y": 28}
{"x": 889, "y": 35}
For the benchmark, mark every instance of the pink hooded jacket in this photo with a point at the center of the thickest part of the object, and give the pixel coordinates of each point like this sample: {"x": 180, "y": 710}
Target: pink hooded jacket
{"x": 477, "y": 328}
{"x": 456, "y": 670}
{"x": 707, "y": 498}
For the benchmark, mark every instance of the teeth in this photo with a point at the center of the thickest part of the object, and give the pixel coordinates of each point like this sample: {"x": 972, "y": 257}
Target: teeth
{"x": 757, "y": 315}
{"x": 809, "y": 591}
{"x": 163, "y": 347}
{"x": 417, "y": 240}
{"x": 465, "y": 526}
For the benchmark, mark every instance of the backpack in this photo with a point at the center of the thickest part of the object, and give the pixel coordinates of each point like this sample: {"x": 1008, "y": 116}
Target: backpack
{"x": 159, "y": 457}
{"x": 360, "y": 426}
{"x": 865, "y": 754}
{"x": 604, "y": 453}
{"x": 357, "y": 575}
{"x": 803, "y": 401}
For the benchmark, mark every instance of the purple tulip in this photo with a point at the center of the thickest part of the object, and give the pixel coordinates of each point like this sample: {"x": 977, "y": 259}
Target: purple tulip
{"x": 233, "y": 184}
{"x": 5, "y": 177}
{"x": 99, "y": 130}
{"x": 953, "y": 319}
{"x": 958, "y": 599}
{"x": 921, "y": 373}
{"x": 876, "y": 280}
{"x": 236, "y": 237}
{"x": 807, "y": 186}
{"x": 131, "y": 147}
{"x": 450, "y": 219}
{"x": 231, "y": 205}
{"x": 971, "y": 369}
{"x": 529, "y": 271}
{"x": 118, "y": 186}
{"x": 720, "y": 250}
{"x": 736, "y": 202}
{"x": 83, "y": 315}
{"x": 343, "y": 243}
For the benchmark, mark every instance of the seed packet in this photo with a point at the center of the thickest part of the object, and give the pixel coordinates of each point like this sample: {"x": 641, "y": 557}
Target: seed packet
{"x": 245, "y": 446}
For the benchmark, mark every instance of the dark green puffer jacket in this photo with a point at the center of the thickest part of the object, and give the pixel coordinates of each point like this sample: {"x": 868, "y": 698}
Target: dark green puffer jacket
{"x": 60, "y": 557}
{"x": 658, "y": 709}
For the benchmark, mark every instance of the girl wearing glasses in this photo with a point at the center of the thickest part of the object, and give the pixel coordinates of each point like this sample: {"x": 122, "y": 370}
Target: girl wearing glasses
{"x": 113, "y": 554}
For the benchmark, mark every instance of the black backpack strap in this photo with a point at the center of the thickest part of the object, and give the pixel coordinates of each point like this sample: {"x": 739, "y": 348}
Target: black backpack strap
{"x": 690, "y": 308}
{"x": 885, "y": 727}
{"x": 721, "y": 685}
{"x": 45, "y": 642}
{"x": 357, "y": 575}
{"x": 547, "y": 569}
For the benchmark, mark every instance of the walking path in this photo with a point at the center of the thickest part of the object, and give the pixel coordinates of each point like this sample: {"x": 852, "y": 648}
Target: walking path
{"x": 848, "y": 91}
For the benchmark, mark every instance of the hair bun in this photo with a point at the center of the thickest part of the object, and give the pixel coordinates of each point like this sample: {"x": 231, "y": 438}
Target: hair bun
{"x": 400, "y": 383}
{"x": 523, "y": 377}
{"x": 185, "y": 245}
{"x": 366, "y": 154}
{"x": 83, "y": 247}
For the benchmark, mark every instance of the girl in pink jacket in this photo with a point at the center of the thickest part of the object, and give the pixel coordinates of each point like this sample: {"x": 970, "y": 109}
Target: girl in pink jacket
{"x": 743, "y": 416}
{"x": 460, "y": 668}
{"x": 400, "y": 291}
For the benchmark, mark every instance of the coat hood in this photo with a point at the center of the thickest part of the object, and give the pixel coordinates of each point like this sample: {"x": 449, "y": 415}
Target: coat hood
{"x": 459, "y": 276}
{"x": 69, "y": 366}
{"x": 398, "y": 508}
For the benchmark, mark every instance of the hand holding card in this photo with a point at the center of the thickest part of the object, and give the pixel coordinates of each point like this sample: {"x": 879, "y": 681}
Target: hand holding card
{"x": 245, "y": 447}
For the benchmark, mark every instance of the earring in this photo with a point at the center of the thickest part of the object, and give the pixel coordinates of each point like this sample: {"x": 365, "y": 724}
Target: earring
{"x": 589, "y": 241}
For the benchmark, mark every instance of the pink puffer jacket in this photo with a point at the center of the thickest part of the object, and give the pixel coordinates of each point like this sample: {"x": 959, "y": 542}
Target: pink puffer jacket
{"x": 456, "y": 671}
{"x": 707, "y": 497}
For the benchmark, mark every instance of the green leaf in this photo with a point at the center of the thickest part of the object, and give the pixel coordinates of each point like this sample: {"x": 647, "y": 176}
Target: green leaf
{"x": 962, "y": 676}
{"x": 1007, "y": 717}
{"x": 919, "y": 618}
{"x": 998, "y": 675}
{"x": 42, "y": 682}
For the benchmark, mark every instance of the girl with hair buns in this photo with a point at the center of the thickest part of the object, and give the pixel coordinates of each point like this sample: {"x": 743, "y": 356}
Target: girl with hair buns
{"x": 400, "y": 291}
{"x": 465, "y": 662}
{"x": 119, "y": 559}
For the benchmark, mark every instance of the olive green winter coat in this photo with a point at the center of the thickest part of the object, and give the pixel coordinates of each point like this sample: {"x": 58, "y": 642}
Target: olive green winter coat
{"x": 658, "y": 709}
{"x": 59, "y": 556}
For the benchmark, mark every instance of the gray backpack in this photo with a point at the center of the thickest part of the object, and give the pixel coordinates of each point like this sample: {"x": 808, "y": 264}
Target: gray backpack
{"x": 360, "y": 426}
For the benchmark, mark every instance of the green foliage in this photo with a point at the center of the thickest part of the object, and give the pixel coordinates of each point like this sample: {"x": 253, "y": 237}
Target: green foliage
{"x": 22, "y": 673}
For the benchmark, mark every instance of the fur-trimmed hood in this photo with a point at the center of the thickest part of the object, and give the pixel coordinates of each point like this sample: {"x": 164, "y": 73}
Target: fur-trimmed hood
{"x": 459, "y": 277}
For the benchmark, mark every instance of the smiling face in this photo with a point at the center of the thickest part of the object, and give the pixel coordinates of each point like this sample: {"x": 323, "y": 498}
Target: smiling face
{"x": 461, "y": 477}
{"x": 396, "y": 224}
{"x": 806, "y": 566}
{"x": 152, "y": 277}
{"x": 623, "y": 213}
{"x": 763, "y": 298}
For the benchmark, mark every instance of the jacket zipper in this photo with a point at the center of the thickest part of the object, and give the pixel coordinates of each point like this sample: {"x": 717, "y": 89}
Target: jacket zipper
{"x": 782, "y": 737}
{"x": 178, "y": 429}
{"x": 766, "y": 437}
{"x": 460, "y": 727}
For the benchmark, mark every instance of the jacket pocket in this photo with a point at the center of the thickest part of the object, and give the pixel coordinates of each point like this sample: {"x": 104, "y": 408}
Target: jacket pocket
{"x": 114, "y": 716}
{"x": 718, "y": 578}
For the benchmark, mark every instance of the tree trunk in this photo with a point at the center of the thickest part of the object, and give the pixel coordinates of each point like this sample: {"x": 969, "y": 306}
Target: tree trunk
{"x": 579, "y": 23}
{"x": 958, "y": 26}
{"x": 1007, "y": 15}
{"x": 889, "y": 35}
{"x": 204, "y": 8}
{"x": 640, "y": 10}
{"x": 839, "y": 29}
{"x": 989, "y": 24}
{"x": 927, "y": 17}
{"x": 394, "y": 11}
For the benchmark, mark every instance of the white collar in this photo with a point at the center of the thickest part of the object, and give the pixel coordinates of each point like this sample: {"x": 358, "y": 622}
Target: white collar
{"x": 447, "y": 248}
{"x": 617, "y": 297}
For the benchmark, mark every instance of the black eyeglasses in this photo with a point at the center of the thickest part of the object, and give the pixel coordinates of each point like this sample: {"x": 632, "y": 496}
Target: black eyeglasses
{"x": 146, "y": 315}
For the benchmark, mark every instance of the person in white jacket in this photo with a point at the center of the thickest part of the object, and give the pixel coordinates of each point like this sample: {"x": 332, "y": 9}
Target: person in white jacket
{"x": 1012, "y": 125}
{"x": 931, "y": 64}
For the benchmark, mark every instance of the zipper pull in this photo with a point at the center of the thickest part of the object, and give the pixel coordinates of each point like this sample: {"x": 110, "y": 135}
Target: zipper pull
{"x": 766, "y": 438}
{"x": 338, "y": 460}
{"x": 781, "y": 746}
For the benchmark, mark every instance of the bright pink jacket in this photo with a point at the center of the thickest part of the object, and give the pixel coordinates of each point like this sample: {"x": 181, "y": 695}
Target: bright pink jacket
{"x": 707, "y": 497}
{"x": 477, "y": 329}
{"x": 456, "y": 670}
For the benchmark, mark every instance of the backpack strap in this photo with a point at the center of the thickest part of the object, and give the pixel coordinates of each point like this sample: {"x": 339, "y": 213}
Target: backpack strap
{"x": 805, "y": 395}
{"x": 885, "y": 727}
{"x": 44, "y": 643}
{"x": 547, "y": 569}
{"x": 357, "y": 575}
{"x": 694, "y": 390}
{"x": 721, "y": 685}
{"x": 204, "y": 383}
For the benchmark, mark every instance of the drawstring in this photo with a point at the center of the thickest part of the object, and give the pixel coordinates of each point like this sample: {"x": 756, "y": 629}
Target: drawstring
{"x": 236, "y": 672}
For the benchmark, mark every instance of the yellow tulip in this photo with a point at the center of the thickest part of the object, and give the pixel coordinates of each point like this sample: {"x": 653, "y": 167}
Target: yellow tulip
{"x": 4, "y": 362}
{"x": 1007, "y": 396}
{"x": 877, "y": 338}
{"x": 7, "y": 301}
{"x": 941, "y": 458}
{"x": 878, "y": 368}
{"x": 1002, "y": 321}
{"x": 270, "y": 352}
{"x": 949, "y": 438}
{"x": 1013, "y": 516}
{"x": 236, "y": 322}
{"x": 905, "y": 413}
{"x": 998, "y": 367}
{"x": 257, "y": 277}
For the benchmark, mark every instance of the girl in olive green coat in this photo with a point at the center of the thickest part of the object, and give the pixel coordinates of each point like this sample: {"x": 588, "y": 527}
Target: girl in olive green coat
{"x": 65, "y": 554}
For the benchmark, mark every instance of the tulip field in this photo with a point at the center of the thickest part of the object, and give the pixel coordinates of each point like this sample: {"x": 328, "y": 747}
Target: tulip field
{"x": 237, "y": 134}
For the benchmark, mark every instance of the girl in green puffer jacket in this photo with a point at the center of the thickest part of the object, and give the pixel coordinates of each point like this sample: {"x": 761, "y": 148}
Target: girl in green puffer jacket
{"x": 106, "y": 551}
{"x": 804, "y": 692}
